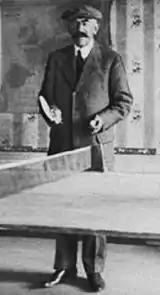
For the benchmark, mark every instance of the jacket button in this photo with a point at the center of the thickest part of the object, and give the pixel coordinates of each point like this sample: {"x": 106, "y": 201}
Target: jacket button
{"x": 87, "y": 94}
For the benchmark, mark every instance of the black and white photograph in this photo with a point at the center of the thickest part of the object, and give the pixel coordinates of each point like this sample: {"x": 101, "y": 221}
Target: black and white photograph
{"x": 79, "y": 147}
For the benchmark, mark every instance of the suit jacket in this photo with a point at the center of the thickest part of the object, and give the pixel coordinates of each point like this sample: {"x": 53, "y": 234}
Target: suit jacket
{"x": 102, "y": 89}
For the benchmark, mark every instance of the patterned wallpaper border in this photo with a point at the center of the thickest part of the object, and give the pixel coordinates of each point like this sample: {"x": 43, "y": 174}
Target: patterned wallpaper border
{"x": 122, "y": 151}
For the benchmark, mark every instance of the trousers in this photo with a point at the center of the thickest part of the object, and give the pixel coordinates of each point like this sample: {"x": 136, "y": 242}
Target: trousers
{"x": 94, "y": 250}
{"x": 94, "y": 247}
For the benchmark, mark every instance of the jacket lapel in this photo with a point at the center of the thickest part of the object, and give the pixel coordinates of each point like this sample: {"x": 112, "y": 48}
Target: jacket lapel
{"x": 69, "y": 67}
{"x": 92, "y": 66}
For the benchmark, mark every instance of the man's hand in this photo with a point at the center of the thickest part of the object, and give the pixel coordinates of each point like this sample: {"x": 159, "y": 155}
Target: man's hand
{"x": 96, "y": 124}
{"x": 56, "y": 115}
{"x": 53, "y": 113}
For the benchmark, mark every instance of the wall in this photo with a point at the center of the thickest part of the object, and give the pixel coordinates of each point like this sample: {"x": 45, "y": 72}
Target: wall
{"x": 31, "y": 28}
{"x": 135, "y": 30}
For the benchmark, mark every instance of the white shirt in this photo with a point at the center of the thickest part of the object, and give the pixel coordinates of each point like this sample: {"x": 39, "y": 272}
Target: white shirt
{"x": 85, "y": 51}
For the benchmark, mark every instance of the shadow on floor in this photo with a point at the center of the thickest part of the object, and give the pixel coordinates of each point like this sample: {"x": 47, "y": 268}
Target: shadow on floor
{"x": 35, "y": 280}
{"x": 10, "y": 275}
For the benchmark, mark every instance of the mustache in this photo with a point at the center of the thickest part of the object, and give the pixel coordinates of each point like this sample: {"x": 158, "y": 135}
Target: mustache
{"x": 80, "y": 34}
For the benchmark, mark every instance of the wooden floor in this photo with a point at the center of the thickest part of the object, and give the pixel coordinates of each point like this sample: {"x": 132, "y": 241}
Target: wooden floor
{"x": 89, "y": 201}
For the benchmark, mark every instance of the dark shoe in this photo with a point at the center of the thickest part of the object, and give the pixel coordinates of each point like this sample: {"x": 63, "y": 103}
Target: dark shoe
{"x": 96, "y": 281}
{"x": 71, "y": 274}
{"x": 59, "y": 275}
{"x": 55, "y": 278}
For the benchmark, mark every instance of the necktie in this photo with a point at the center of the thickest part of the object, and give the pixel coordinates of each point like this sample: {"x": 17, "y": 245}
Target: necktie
{"x": 79, "y": 64}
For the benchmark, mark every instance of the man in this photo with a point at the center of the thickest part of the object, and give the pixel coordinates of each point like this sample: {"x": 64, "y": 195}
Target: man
{"x": 84, "y": 93}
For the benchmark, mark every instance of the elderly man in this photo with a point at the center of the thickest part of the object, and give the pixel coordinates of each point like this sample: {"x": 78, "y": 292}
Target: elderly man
{"x": 83, "y": 94}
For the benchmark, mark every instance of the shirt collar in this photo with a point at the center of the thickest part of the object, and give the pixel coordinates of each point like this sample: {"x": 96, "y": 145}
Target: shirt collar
{"x": 85, "y": 51}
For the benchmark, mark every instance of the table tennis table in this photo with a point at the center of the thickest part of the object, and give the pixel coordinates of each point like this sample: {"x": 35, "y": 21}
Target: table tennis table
{"x": 62, "y": 194}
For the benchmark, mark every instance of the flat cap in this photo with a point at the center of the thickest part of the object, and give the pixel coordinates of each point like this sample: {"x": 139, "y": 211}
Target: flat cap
{"x": 84, "y": 11}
